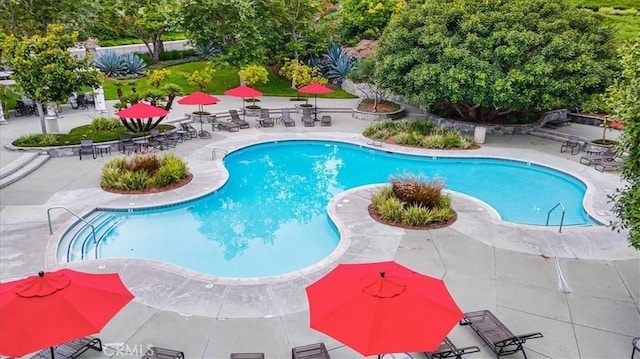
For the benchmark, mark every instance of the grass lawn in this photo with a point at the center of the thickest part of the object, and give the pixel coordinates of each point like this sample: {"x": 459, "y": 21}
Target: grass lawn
{"x": 616, "y": 4}
{"x": 225, "y": 79}
{"x": 628, "y": 27}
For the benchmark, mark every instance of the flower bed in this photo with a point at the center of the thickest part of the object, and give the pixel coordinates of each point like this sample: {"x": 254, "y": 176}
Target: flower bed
{"x": 413, "y": 202}
{"x": 143, "y": 173}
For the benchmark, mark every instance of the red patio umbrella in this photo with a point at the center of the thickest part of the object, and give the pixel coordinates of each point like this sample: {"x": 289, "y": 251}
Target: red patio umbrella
{"x": 56, "y": 307}
{"x": 315, "y": 88}
{"x": 243, "y": 91}
{"x": 142, "y": 110}
{"x": 200, "y": 99}
{"x": 378, "y": 308}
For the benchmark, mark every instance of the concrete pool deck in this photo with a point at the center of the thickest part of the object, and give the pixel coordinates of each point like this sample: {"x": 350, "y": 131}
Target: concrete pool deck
{"x": 580, "y": 288}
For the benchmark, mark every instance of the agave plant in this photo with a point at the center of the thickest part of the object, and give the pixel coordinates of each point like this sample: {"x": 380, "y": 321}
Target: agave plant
{"x": 110, "y": 63}
{"x": 337, "y": 71}
{"x": 133, "y": 64}
{"x": 336, "y": 64}
{"x": 315, "y": 62}
{"x": 207, "y": 51}
{"x": 334, "y": 53}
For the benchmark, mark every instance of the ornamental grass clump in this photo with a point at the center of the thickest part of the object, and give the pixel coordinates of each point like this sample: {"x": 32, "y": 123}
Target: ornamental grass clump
{"x": 105, "y": 123}
{"x": 142, "y": 171}
{"x": 413, "y": 200}
{"x": 418, "y": 133}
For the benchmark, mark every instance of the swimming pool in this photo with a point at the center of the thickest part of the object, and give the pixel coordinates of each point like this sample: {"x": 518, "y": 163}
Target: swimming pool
{"x": 270, "y": 217}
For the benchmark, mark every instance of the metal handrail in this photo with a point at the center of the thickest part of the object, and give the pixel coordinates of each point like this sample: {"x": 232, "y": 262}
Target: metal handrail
{"x": 561, "y": 218}
{"x": 93, "y": 229}
{"x": 214, "y": 152}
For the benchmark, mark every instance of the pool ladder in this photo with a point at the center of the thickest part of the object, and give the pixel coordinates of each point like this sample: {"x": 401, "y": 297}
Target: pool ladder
{"x": 218, "y": 152}
{"x": 561, "y": 218}
{"x": 93, "y": 229}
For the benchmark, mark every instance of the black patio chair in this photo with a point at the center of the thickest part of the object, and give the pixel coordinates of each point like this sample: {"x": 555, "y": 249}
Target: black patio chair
{"x": 286, "y": 118}
{"x": 162, "y": 353}
{"x": 87, "y": 148}
{"x": 265, "y": 120}
{"x": 70, "y": 350}
{"x": 126, "y": 144}
{"x": 495, "y": 334}
{"x": 81, "y": 102}
{"x": 573, "y": 143}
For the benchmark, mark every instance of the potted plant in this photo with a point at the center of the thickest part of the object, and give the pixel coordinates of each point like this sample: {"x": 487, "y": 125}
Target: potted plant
{"x": 606, "y": 124}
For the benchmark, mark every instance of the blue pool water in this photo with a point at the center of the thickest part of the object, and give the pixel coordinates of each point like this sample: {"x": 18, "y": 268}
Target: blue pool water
{"x": 270, "y": 217}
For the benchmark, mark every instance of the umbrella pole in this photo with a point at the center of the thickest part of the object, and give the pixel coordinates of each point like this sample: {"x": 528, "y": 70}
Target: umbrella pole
{"x": 52, "y": 353}
{"x": 244, "y": 112}
{"x": 315, "y": 116}
{"x": 201, "y": 109}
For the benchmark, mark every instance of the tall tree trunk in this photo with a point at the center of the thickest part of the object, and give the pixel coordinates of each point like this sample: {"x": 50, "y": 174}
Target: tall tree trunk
{"x": 154, "y": 55}
{"x": 43, "y": 125}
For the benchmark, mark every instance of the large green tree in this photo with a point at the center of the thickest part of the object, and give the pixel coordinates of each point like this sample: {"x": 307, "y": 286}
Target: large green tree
{"x": 368, "y": 17}
{"x": 30, "y": 17}
{"x": 486, "y": 59}
{"x": 625, "y": 101}
{"x": 44, "y": 68}
{"x": 146, "y": 20}
{"x": 227, "y": 25}
{"x": 252, "y": 31}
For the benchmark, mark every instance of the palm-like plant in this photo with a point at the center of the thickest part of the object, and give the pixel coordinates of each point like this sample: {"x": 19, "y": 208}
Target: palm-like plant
{"x": 133, "y": 64}
{"x": 336, "y": 63}
{"x": 110, "y": 63}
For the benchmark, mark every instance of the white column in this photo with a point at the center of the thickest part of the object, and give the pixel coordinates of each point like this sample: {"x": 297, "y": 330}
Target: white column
{"x": 51, "y": 118}
{"x": 3, "y": 121}
{"x": 98, "y": 98}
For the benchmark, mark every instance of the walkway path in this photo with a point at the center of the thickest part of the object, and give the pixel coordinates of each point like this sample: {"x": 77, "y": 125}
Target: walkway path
{"x": 581, "y": 288}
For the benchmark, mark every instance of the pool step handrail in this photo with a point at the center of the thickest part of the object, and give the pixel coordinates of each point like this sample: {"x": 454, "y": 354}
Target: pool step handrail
{"x": 93, "y": 229}
{"x": 561, "y": 218}
{"x": 217, "y": 151}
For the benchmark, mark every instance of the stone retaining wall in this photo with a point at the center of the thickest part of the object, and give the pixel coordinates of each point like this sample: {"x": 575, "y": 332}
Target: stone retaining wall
{"x": 494, "y": 129}
{"x": 370, "y": 116}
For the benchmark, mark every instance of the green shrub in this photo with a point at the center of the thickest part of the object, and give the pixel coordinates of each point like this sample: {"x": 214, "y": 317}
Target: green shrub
{"x": 445, "y": 202}
{"x": 118, "y": 163}
{"x": 451, "y": 139}
{"x": 135, "y": 181}
{"x": 441, "y": 214}
{"x": 105, "y": 123}
{"x": 418, "y": 133}
{"x": 170, "y": 173}
{"x": 422, "y": 127}
{"x": 416, "y": 215}
{"x": 383, "y": 195}
{"x": 141, "y": 171}
{"x": 386, "y": 125}
{"x": 595, "y": 103}
{"x": 433, "y": 141}
{"x": 110, "y": 177}
{"x": 413, "y": 200}
{"x": 36, "y": 139}
{"x": 391, "y": 209}
{"x": 465, "y": 141}
{"x": 409, "y": 138}
{"x": 175, "y": 62}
